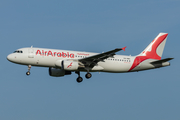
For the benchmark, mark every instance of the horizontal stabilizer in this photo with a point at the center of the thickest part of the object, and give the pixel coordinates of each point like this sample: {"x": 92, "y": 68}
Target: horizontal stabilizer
{"x": 161, "y": 61}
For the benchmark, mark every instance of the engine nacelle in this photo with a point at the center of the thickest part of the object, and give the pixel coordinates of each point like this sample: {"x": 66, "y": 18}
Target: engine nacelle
{"x": 70, "y": 65}
{"x": 58, "y": 63}
{"x": 58, "y": 72}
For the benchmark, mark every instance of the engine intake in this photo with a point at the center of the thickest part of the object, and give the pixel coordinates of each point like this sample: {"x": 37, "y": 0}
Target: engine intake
{"x": 55, "y": 72}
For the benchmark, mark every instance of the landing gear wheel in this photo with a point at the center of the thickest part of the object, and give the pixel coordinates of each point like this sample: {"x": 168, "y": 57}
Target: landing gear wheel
{"x": 88, "y": 75}
{"x": 79, "y": 79}
{"x": 28, "y": 73}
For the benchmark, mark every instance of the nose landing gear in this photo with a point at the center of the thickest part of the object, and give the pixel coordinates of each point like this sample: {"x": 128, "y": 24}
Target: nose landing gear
{"x": 28, "y": 72}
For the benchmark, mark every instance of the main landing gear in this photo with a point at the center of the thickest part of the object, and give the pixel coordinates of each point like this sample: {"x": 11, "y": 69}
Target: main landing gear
{"x": 28, "y": 72}
{"x": 88, "y": 75}
{"x": 80, "y": 79}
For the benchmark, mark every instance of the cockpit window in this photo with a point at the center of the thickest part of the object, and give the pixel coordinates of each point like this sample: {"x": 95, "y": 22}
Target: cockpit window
{"x": 18, "y": 51}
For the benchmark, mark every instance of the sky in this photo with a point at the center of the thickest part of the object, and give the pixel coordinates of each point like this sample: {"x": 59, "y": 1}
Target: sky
{"x": 93, "y": 26}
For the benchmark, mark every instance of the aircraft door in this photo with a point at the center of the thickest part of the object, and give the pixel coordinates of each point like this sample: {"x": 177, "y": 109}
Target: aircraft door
{"x": 31, "y": 53}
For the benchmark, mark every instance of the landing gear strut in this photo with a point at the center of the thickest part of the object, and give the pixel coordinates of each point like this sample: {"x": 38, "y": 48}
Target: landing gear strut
{"x": 79, "y": 79}
{"x": 29, "y": 68}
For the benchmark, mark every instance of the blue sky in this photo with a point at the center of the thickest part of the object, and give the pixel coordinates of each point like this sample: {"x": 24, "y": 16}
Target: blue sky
{"x": 94, "y": 26}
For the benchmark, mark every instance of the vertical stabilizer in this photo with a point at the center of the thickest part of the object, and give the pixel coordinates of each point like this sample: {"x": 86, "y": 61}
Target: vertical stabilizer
{"x": 155, "y": 49}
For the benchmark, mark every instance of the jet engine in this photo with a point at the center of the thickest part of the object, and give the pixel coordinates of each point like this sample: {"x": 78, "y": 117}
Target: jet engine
{"x": 58, "y": 72}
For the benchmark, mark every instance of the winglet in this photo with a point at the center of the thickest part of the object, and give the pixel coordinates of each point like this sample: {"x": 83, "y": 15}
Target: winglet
{"x": 123, "y": 48}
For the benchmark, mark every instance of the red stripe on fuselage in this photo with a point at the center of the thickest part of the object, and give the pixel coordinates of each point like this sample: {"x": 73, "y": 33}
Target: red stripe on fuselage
{"x": 137, "y": 61}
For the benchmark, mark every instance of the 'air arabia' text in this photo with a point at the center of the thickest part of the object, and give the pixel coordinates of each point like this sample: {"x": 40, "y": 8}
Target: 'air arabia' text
{"x": 58, "y": 54}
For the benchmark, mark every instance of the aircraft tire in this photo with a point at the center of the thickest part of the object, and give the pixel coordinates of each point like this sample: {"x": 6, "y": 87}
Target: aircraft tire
{"x": 79, "y": 79}
{"x": 88, "y": 75}
{"x": 27, "y": 73}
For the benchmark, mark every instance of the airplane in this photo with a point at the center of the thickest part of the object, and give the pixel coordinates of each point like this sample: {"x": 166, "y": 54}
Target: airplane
{"x": 64, "y": 62}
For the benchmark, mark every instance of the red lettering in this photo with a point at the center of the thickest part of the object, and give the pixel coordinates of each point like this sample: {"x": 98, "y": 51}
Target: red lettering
{"x": 38, "y": 52}
{"x": 42, "y": 53}
{"x": 68, "y": 54}
{"x": 72, "y": 55}
{"x": 59, "y": 54}
{"x": 63, "y": 54}
{"x": 54, "y": 54}
{"x": 45, "y": 53}
{"x": 82, "y": 54}
{"x": 50, "y": 53}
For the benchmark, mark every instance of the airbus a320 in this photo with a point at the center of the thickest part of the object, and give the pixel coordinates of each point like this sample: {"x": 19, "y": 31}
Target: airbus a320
{"x": 64, "y": 62}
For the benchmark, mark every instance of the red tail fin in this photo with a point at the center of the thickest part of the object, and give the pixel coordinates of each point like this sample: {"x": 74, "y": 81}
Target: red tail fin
{"x": 155, "y": 49}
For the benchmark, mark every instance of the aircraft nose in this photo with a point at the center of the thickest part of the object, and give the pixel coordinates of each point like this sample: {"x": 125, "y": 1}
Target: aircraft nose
{"x": 10, "y": 57}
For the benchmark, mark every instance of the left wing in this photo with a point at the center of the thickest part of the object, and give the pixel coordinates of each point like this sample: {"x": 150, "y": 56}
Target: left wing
{"x": 91, "y": 61}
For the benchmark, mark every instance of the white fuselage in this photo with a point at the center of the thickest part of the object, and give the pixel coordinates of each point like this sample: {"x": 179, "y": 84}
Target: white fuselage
{"x": 63, "y": 62}
{"x": 47, "y": 58}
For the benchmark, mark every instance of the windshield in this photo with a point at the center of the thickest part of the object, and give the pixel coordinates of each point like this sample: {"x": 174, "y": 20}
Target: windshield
{"x": 18, "y": 51}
